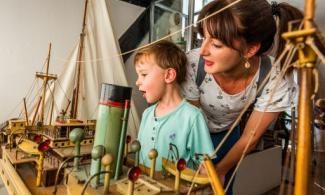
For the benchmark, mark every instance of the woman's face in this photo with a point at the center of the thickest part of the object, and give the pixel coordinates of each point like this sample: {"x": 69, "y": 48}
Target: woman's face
{"x": 219, "y": 57}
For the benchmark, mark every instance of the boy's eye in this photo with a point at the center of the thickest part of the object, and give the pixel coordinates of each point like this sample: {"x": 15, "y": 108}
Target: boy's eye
{"x": 143, "y": 75}
{"x": 217, "y": 45}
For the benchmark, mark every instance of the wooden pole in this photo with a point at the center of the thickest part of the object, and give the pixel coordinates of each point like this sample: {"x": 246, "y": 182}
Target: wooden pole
{"x": 45, "y": 79}
{"x": 307, "y": 59}
{"x": 36, "y": 110}
{"x": 214, "y": 179}
{"x": 79, "y": 63}
{"x": 39, "y": 169}
{"x": 25, "y": 109}
{"x": 51, "y": 112}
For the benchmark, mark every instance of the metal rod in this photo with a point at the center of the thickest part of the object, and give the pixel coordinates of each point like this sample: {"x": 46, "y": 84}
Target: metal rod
{"x": 190, "y": 21}
{"x": 122, "y": 139}
{"x": 293, "y": 149}
{"x": 91, "y": 177}
{"x": 152, "y": 22}
{"x": 58, "y": 171}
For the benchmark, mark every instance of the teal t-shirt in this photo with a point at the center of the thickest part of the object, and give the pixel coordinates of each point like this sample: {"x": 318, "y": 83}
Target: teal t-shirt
{"x": 184, "y": 127}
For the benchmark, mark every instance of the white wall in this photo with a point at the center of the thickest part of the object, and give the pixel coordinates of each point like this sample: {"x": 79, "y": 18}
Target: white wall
{"x": 27, "y": 27}
{"x": 122, "y": 15}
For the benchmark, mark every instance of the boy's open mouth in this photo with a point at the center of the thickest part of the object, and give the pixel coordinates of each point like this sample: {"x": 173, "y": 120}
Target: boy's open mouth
{"x": 143, "y": 93}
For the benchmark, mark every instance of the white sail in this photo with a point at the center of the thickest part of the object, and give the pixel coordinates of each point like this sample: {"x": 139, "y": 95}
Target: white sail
{"x": 100, "y": 64}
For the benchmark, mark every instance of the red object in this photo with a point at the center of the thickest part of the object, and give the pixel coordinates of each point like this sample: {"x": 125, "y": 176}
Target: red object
{"x": 37, "y": 138}
{"x": 127, "y": 104}
{"x": 181, "y": 164}
{"x": 128, "y": 139}
{"x": 112, "y": 103}
{"x": 134, "y": 173}
{"x": 44, "y": 146}
{"x": 48, "y": 141}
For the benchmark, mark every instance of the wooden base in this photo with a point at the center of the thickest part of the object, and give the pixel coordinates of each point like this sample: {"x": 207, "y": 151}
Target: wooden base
{"x": 144, "y": 186}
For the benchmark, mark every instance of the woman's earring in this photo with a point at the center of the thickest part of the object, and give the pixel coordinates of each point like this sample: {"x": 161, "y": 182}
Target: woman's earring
{"x": 247, "y": 64}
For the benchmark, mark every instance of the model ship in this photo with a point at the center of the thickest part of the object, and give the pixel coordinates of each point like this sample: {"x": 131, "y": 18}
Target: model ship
{"x": 59, "y": 146}
{"x": 67, "y": 153}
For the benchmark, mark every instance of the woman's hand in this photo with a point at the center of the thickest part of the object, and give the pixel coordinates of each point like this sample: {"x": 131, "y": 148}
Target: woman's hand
{"x": 221, "y": 177}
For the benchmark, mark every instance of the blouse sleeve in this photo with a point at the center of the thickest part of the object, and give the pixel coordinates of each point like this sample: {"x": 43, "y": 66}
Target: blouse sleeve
{"x": 189, "y": 88}
{"x": 284, "y": 92}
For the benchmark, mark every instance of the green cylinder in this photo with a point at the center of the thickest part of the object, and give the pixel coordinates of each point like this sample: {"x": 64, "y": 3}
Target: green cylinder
{"x": 109, "y": 122}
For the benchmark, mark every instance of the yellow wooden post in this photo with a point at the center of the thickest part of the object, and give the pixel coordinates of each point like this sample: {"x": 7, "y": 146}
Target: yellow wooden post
{"x": 39, "y": 169}
{"x": 152, "y": 156}
{"x": 107, "y": 161}
{"x": 214, "y": 179}
{"x": 177, "y": 181}
{"x": 307, "y": 59}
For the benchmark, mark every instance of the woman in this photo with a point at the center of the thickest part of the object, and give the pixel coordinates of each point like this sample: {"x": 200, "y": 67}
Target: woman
{"x": 233, "y": 47}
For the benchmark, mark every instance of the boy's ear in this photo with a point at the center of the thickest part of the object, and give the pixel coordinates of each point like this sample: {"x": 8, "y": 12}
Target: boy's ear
{"x": 170, "y": 75}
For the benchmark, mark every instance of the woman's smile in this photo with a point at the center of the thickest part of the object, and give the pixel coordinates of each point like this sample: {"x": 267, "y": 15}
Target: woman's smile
{"x": 208, "y": 63}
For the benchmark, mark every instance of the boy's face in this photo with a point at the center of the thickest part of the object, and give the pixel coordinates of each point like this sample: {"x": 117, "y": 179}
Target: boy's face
{"x": 151, "y": 79}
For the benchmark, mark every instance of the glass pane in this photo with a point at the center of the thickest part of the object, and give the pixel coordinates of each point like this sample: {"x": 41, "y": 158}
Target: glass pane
{"x": 169, "y": 19}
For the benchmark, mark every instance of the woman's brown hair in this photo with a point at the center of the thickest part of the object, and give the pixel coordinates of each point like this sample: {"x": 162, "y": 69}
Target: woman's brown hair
{"x": 249, "y": 21}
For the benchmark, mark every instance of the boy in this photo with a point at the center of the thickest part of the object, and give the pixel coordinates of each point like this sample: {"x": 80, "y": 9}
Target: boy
{"x": 161, "y": 68}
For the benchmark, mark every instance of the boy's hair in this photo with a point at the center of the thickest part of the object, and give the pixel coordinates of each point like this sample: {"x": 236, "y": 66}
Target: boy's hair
{"x": 166, "y": 55}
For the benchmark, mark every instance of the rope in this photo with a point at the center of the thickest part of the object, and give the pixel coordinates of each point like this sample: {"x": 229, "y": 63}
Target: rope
{"x": 311, "y": 42}
{"x": 154, "y": 42}
{"x": 192, "y": 180}
{"x": 65, "y": 95}
{"x": 54, "y": 102}
{"x": 316, "y": 82}
{"x": 279, "y": 77}
{"x": 251, "y": 100}
{"x": 318, "y": 185}
{"x": 287, "y": 48}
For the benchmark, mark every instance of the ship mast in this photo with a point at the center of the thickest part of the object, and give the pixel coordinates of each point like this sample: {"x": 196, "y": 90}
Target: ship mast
{"x": 307, "y": 59}
{"x": 75, "y": 97}
{"x": 46, "y": 77}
